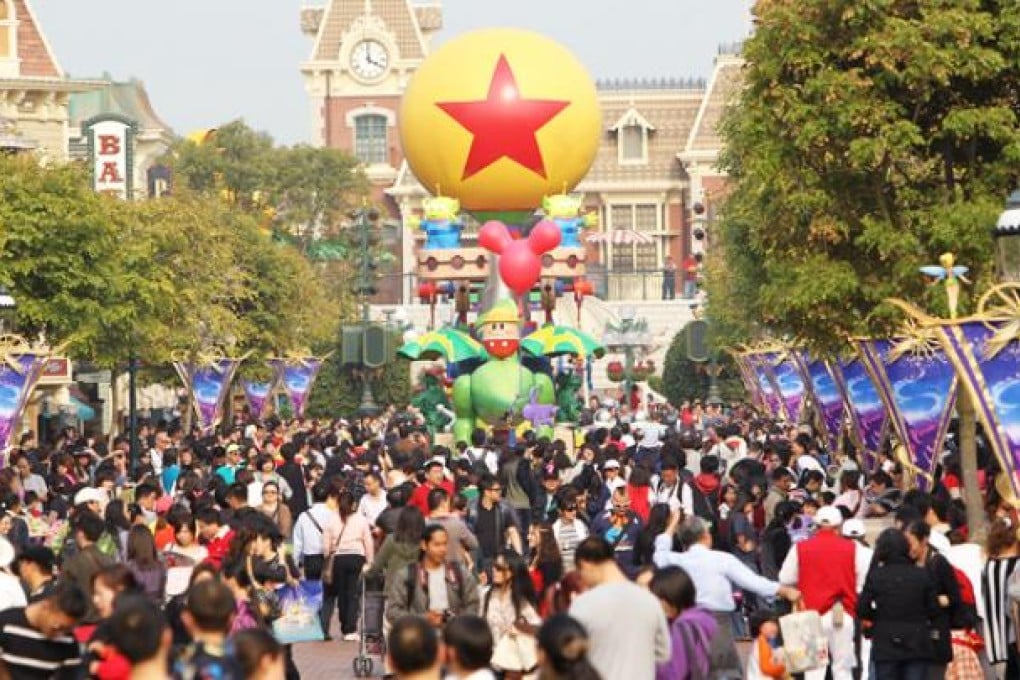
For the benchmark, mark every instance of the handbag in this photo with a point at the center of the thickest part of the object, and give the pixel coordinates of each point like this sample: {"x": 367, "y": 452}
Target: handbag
{"x": 516, "y": 652}
{"x": 327, "y": 564}
{"x": 804, "y": 644}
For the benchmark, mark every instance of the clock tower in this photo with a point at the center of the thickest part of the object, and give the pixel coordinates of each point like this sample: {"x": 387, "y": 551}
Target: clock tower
{"x": 363, "y": 56}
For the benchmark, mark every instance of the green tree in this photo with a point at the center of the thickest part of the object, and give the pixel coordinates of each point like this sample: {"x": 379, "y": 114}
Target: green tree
{"x": 870, "y": 138}
{"x": 685, "y": 380}
{"x": 338, "y": 388}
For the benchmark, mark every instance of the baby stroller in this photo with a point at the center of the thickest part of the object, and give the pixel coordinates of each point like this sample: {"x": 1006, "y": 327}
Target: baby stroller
{"x": 372, "y": 641}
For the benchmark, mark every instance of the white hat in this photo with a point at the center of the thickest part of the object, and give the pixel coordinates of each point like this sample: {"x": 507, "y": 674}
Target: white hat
{"x": 90, "y": 494}
{"x": 6, "y": 553}
{"x": 853, "y": 528}
{"x": 611, "y": 464}
{"x": 829, "y": 516}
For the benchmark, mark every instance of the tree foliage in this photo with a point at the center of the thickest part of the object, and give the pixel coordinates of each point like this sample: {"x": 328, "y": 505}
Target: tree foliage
{"x": 685, "y": 380}
{"x": 871, "y": 136}
{"x": 338, "y": 388}
{"x": 301, "y": 192}
{"x": 110, "y": 277}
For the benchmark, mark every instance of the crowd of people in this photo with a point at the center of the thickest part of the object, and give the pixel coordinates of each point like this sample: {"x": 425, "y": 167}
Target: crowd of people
{"x": 667, "y": 544}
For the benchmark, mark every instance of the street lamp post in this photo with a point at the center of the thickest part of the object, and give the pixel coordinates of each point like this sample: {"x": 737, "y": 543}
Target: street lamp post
{"x": 367, "y": 219}
{"x": 629, "y": 337}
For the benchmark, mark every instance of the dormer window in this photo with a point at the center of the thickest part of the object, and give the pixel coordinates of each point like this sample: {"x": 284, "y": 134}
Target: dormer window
{"x": 632, "y": 132}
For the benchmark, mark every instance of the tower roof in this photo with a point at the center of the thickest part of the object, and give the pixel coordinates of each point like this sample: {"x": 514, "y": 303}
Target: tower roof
{"x": 34, "y": 51}
{"x": 398, "y": 17}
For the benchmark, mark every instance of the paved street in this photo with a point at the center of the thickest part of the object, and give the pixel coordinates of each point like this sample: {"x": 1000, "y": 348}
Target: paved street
{"x": 319, "y": 660}
{"x": 328, "y": 659}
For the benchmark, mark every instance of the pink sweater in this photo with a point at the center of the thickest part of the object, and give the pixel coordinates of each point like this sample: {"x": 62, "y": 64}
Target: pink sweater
{"x": 353, "y": 537}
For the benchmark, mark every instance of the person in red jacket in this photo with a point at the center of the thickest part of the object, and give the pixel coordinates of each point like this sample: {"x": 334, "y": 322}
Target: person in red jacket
{"x": 435, "y": 478}
{"x": 829, "y": 571}
{"x": 215, "y": 535}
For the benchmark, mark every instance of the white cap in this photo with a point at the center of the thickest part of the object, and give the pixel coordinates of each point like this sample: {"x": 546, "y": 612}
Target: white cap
{"x": 611, "y": 464}
{"x": 829, "y": 516}
{"x": 853, "y": 528}
{"x": 90, "y": 494}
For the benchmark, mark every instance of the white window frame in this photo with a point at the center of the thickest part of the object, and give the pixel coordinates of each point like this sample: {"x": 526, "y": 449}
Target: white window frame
{"x": 660, "y": 235}
{"x": 386, "y": 137}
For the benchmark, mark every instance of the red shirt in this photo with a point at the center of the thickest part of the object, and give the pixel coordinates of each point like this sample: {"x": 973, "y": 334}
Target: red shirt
{"x": 218, "y": 548}
{"x": 420, "y": 495}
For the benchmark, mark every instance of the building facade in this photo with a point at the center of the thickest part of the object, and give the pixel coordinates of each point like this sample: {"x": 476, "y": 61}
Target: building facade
{"x": 34, "y": 90}
{"x": 656, "y": 164}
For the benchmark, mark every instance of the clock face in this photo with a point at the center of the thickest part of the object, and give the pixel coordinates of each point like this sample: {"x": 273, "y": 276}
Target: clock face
{"x": 369, "y": 59}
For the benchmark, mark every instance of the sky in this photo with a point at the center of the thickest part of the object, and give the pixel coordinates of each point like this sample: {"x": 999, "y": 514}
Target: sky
{"x": 206, "y": 62}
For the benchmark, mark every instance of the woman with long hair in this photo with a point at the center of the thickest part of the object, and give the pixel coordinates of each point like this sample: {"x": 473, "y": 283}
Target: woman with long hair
{"x": 563, "y": 651}
{"x": 143, "y": 559}
{"x": 509, "y": 606}
{"x": 546, "y": 564}
{"x": 898, "y": 605}
{"x": 354, "y": 549}
{"x": 186, "y": 539}
{"x": 1003, "y": 550}
{"x": 275, "y": 509}
{"x": 850, "y": 501}
{"x": 639, "y": 490}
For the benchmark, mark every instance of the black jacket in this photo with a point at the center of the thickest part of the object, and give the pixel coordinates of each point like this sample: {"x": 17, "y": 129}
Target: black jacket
{"x": 899, "y": 601}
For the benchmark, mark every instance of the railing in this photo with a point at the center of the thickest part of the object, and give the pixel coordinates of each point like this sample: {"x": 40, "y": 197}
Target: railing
{"x": 640, "y": 285}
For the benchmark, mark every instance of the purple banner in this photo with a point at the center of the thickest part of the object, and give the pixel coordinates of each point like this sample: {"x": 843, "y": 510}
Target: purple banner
{"x": 18, "y": 376}
{"x": 257, "y": 394}
{"x": 988, "y": 370}
{"x": 297, "y": 378}
{"x": 826, "y": 395}
{"x": 209, "y": 385}
{"x": 791, "y": 387}
{"x": 919, "y": 390}
{"x": 761, "y": 365}
{"x": 867, "y": 412}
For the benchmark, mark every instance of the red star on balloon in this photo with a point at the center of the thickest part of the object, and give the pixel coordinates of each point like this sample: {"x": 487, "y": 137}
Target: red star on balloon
{"x": 503, "y": 125}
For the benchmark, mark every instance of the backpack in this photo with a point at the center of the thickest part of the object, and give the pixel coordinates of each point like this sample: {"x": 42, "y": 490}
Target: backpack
{"x": 705, "y": 506}
{"x": 478, "y": 466}
{"x": 412, "y": 580}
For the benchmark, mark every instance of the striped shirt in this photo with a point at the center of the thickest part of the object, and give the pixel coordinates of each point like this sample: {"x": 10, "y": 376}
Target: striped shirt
{"x": 998, "y": 623}
{"x": 29, "y": 655}
{"x": 567, "y": 537}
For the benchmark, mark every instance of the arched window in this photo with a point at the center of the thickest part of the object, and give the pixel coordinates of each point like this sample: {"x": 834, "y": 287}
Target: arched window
{"x": 370, "y": 138}
{"x": 7, "y": 28}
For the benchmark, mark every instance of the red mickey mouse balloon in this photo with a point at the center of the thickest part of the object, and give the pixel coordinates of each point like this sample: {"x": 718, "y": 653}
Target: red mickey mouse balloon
{"x": 520, "y": 261}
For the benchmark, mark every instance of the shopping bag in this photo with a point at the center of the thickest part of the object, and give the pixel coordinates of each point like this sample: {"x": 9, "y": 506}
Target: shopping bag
{"x": 804, "y": 645}
{"x": 299, "y": 613}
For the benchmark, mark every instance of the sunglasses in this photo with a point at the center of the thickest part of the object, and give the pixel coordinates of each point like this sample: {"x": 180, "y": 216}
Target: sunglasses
{"x": 569, "y": 508}
{"x": 495, "y": 488}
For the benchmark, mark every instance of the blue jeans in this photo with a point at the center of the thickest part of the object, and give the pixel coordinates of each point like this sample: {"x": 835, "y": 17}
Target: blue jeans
{"x": 901, "y": 670}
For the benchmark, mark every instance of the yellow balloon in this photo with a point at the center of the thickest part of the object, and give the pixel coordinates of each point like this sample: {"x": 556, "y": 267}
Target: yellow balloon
{"x": 499, "y": 118}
